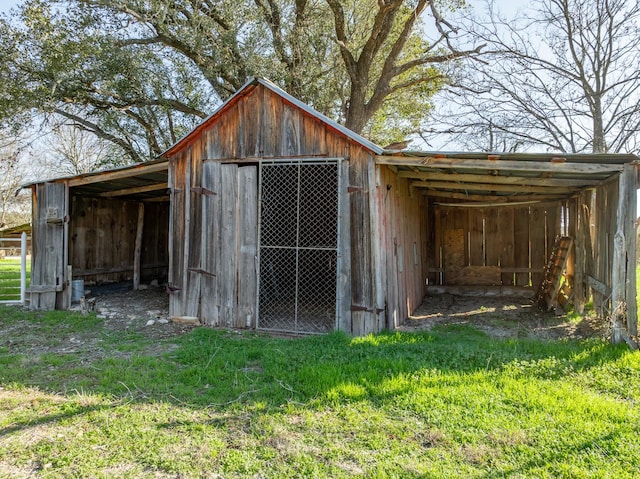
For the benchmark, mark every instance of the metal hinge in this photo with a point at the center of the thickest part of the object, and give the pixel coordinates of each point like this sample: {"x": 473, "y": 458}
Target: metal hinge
{"x": 203, "y": 191}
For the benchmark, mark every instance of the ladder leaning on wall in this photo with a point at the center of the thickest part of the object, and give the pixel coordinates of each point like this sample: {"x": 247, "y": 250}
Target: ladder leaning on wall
{"x": 552, "y": 278}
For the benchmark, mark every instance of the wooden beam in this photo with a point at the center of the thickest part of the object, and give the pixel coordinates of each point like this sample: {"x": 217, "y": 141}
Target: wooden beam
{"x": 158, "y": 199}
{"x": 449, "y": 185}
{"x": 119, "y": 269}
{"x": 492, "y": 179}
{"x": 500, "y": 165}
{"x": 504, "y": 199}
{"x": 630, "y": 171}
{"x": 138, "y": 247}
{"x": 134, "y": 190}
{"x": 598, "y": 286}
{"x": 141, "y": 169}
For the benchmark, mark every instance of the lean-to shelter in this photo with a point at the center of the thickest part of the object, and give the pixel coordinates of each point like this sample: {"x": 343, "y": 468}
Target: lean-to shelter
{"x": 268, "y": 215}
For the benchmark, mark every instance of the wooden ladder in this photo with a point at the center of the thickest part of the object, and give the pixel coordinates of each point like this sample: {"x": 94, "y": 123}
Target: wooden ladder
{"x": 550, "y": 285}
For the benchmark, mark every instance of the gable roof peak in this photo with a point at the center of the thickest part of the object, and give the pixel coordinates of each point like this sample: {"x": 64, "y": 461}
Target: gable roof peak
{"x": 245, "y": 90}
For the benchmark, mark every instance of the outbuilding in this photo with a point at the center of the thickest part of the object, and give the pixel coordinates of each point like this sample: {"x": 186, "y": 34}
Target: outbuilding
{"x": 268, "y": 215}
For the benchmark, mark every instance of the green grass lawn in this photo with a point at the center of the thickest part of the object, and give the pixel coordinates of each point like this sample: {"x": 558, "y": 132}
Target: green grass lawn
{"x": 10, "y": 278}
{"x": 80, "y": 400}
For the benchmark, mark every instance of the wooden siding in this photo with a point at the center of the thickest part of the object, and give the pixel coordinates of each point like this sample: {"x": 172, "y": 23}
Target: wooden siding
{"x": 263, "y": 125}
{"x": 49, "y": 281}
{"x": 518, "y": 240}
{"x": 402, "y": 229}
{"x": 102, "y": 235}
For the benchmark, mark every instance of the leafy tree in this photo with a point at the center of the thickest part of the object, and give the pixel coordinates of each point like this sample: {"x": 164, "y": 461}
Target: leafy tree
{"x": 561, "y": 76}
{"x": 140, "y": 73}
{"x": 67, "y": 64}
{"x": 13, "y": 208}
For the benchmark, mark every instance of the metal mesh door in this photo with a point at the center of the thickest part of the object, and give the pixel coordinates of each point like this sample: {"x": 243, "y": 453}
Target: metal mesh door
{"x": 298, "y": 246}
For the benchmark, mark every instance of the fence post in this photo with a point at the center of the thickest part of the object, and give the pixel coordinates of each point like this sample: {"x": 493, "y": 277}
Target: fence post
{"x": 23, "y": 267}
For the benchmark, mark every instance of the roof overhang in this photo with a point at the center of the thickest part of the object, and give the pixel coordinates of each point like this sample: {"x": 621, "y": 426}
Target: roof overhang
{"x": 504, "y": 178}
{"x": 141, "y": 182}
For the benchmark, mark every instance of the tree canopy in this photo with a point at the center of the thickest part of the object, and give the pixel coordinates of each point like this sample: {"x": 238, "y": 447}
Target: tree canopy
{"x": 140, "y": 74}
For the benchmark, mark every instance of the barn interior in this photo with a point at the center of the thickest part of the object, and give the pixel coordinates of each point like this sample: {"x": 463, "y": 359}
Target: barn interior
{"x": 558, "y": 229}
{"x": 119, "y": 224}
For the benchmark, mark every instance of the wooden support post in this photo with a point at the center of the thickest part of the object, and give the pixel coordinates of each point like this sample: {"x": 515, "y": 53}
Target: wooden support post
{"x": 138, "y": 247}
{"x": 630, "y": 172}
{"x": 580, "y": 249}
{"x": 623, "y": 307}
{"x": 23, "y": 267}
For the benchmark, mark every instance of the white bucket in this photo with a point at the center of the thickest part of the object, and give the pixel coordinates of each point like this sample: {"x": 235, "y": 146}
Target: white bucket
{"x": 77, "y": 290}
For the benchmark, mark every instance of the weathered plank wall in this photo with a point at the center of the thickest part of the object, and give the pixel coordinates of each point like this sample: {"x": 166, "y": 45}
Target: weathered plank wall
{"x": 48, "y": 271}
{"x": 605, "y": 252}
{"x": 102, "y": 235}
{"x": 155, "y": 242}
{"x": 603, "y": 210}
{"x": 516, "y": 239}
{"x": 402, "y": 228}
{"x": 263, "y": 125}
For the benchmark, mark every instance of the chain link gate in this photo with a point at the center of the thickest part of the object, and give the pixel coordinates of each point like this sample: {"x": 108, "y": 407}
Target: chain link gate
{"x": 298, "y": 246}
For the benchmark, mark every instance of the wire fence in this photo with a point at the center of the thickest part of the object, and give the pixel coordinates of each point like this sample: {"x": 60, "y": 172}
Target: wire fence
{"x": 298, "y": 246}
{"x": 14, "y": 270}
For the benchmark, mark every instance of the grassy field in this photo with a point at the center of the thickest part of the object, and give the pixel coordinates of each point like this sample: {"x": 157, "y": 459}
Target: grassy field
{"x": 80, "y": 400}
{"x": 10, "y": 278}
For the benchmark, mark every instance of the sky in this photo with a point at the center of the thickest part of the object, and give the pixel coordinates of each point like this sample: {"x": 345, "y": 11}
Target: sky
{"x": 5, "y": 5}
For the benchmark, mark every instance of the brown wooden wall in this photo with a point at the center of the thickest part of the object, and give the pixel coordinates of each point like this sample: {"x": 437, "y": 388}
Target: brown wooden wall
{"x": 102, "y": 235}
{"x": 263, "y": 125}
{"x": 518, "y": 240}
{"x": 402, "y": 230}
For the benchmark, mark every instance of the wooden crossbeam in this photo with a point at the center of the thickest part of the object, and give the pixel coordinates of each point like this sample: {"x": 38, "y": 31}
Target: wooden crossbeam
{"x": 449, "y": 185}
{"x": 492, "y": 179}
{"x": 119, "y": 174}
{"x": 500, "y": 165}
{"x": 134, "y": 190}
{"x": 505, "y": 199}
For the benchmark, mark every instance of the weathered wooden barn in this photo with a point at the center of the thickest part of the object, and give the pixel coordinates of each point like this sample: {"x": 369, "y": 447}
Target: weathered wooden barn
{"x": 268, "y": 215}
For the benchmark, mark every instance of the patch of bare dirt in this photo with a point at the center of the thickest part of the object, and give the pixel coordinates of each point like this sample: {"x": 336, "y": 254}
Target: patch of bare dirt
{"x": 145, "y": 310}
{"x": 502, "y": 317}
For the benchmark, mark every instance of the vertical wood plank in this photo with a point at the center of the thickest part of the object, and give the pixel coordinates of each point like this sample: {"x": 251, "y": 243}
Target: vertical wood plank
{"x": 193, "y": 304}
{"x": 630, "y": 172}
{"x": 178, "y": 279}
{"x": 378, "y": 294}
{"x": 226, "y": 274}
{"x": 63, "y": 300}
{"x": 343, "y": 285}
{"x": 475, "y": 228}
{"x": 211, "y": 244}
{"x": 618, "y": 273}
{"x": 138, "y": 247}
{"x": 582, "y": 247}
{"x": 521, "y": 244}
{"x": 492, "y": 237}
{"x": 247, "y": 247}
{"x": 507, "y": 250}
{"x": 439, "y": 260}
{"x": 538, "y": 245}
{"x": 361, "y": 267}
{"x": 48, "y": 239}
{"x": 186, "y": 233}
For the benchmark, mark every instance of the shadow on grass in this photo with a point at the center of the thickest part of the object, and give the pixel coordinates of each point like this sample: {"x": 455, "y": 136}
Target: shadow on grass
{"x": 220, "y": 369}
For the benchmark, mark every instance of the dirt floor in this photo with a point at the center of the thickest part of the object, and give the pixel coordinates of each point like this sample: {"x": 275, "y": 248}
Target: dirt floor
{"x": 148, "y": 311}
{"x": 501, "y": 317}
